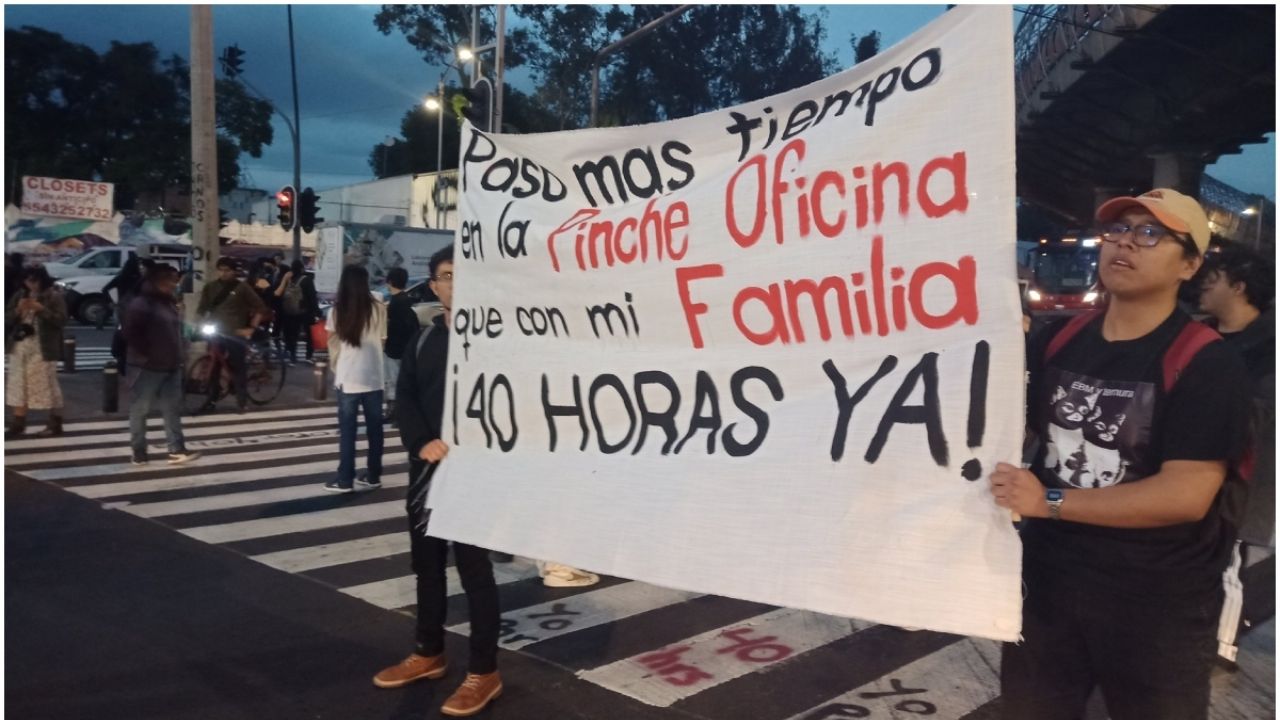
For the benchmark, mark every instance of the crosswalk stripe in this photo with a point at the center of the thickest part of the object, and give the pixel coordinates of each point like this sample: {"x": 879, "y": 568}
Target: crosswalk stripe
{"x": 402, "y": 592}
{"x": 113, "y": 470}
{"x": 667, "y": 675}
{"x": 315, "y": 557}
{"x": 265, "y": 527}
{"x": 246, "y": 420}
{"x": 229, "y": 478}
{"x": 592, "y": 608}
{"x": 945, "y": 685}
{"x": 157, "y": 434}
{"x": 243, "y": 499}
{"x": 322, "y": 438}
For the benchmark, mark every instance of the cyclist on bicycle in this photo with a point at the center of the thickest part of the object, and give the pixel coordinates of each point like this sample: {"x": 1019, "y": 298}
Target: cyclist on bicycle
{"x": 235, "y": 308}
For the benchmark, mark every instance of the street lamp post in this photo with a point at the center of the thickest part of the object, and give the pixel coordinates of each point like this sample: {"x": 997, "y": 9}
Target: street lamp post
{"x": 437, "y": 104}
{"x": 615, "y": 47}
{"x": 1257, "y": 240}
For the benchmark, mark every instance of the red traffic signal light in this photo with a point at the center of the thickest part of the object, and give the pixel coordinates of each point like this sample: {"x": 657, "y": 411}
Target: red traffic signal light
{"x": 286, "y": 202}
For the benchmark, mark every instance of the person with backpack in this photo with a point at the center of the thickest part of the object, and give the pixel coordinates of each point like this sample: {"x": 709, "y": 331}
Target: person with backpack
{"x": 423, "y": 372}
{"x": 1237, "y": 289}
{"x": 299, "y": 308}
{"x": 402, "y": 323}
{"x": 1130, "y": 502}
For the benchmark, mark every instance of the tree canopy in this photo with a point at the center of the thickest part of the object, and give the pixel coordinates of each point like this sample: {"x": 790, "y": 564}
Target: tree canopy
{"x": 122, "y": 116}
{"x": 708, "y": 57}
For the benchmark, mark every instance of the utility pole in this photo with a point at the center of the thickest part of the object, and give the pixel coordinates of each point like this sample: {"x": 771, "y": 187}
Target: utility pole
{"x": 475, "y": 43}
{"x": 204, "y": 154}
{"x": 498, "y": 63}
{"x": 297, "y": 137}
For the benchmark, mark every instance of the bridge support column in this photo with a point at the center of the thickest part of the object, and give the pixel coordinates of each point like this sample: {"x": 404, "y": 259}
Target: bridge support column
{"x": 1178, "y": 171}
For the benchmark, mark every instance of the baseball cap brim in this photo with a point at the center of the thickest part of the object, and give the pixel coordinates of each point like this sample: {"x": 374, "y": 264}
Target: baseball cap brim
{"x": 1115, "y": 207}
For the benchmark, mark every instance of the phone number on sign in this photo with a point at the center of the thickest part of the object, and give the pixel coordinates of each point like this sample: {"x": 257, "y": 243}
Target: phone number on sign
{"x": 67, "y": 210}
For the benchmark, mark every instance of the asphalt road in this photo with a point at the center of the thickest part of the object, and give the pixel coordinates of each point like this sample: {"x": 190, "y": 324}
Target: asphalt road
{"x": 233, "y": 587}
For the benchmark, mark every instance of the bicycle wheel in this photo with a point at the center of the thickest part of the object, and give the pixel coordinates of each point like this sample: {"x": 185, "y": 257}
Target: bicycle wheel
{"x": 195, "y": 384}
{"x": 265, "y": 374}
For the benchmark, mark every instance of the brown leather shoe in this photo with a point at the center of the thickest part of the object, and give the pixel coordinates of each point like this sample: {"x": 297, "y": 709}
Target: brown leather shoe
{"x": 476, "y": 693}
{"x": 414, "y": 667}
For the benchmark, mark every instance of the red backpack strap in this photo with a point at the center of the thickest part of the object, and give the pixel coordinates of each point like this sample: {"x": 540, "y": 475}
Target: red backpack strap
{"x": 1068, "y": 331}
{"x": 1191, "y": 340}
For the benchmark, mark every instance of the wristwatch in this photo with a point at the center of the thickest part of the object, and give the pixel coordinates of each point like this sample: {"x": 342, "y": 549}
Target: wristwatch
{"x": 1055, "y": 498}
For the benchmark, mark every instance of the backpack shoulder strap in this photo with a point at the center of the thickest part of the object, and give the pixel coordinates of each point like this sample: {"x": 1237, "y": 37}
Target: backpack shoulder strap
{"x": 1193, "y": 337}
{"x": 422, "y": 339}
{"x": 1068, "y": 331}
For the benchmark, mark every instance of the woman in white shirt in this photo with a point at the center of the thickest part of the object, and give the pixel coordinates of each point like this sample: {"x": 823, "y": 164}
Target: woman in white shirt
{"x": 357, "y": 328}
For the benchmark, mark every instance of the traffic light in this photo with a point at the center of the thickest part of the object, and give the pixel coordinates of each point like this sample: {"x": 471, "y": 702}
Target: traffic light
{"x": 286, "y": 201}
{"x": 232, "y": 61}
{"x": 308, "y": 203}
{"x": 477, "y": 107}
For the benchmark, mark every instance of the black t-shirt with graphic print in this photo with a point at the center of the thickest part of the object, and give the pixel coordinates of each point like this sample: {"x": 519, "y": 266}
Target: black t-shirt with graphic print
{"x": 1101, "y": 418}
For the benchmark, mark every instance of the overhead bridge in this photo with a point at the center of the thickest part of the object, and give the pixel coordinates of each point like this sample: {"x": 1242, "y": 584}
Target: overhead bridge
{"x": 1116, "y": 99}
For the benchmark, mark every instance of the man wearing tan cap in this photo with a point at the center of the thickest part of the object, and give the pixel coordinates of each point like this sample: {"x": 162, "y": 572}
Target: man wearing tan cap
{"x": 1139, "y": 415}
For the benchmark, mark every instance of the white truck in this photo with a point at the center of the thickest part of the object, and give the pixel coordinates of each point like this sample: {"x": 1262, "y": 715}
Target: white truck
{"x": 83, "y": 279}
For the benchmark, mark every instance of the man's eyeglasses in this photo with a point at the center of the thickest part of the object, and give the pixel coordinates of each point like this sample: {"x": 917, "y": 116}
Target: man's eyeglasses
{"x": 445, "y": 277}
{"x": 1143, "y": 235}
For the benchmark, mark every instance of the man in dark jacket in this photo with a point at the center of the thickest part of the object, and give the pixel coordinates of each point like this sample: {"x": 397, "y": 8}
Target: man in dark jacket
{"x": 402, "y": 323}
{"x": 153, "y": 333}
{"x": 236, "y": 309}
{"x": 1238, "y": 291}
{"x": 421, "y": 414}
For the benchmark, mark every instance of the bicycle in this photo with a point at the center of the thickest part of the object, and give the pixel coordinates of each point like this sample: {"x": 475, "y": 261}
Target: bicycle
{"x": 264, "y": 374}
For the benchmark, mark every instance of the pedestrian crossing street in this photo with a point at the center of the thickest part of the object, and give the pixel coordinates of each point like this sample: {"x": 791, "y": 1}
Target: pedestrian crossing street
{"x": 256, "y": 491}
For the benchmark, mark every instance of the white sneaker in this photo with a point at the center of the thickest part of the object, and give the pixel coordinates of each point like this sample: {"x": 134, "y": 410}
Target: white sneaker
{"x": 182, "y": 457}
{"x": 563, "y": 576}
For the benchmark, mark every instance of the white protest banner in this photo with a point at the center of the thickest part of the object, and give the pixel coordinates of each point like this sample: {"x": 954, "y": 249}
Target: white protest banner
{"x": 58, "y": 197}
{"x": 771, "y": 352}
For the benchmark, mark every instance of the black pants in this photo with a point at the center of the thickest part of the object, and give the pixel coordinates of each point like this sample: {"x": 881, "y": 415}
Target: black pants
{"x": 236, "y": 349}
{"x": 293, "y": 326}
{"x": 1150, "y": 657}
{"x": 430, "y": 556}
